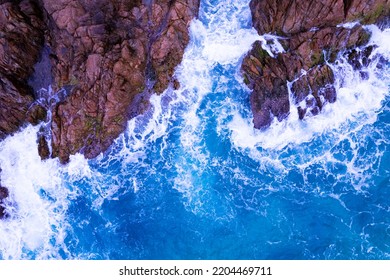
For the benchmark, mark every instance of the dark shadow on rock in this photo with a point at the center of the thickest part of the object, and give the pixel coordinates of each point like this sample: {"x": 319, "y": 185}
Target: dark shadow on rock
{"x": 42, "y": 75}
{"x": 3, "y": 195}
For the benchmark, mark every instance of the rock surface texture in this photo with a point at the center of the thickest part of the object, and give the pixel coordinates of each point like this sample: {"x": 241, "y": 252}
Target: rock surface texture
{"x": 21, "y": 39}
{"x": 104, "y": 58}
{"x": 311, "y": 34}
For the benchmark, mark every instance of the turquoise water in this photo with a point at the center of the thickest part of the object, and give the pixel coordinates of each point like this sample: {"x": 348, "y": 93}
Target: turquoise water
{"x": 191, "y": 179}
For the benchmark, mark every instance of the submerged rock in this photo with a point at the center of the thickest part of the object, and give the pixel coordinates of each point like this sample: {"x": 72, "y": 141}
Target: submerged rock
{"x": 359, "y": 58}
{"x": 3, "y": 195}
{"x": 311, "y": 33}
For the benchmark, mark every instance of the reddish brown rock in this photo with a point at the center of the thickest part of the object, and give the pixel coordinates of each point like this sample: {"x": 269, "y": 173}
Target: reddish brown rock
{"x": 43, "y": 147}
{"x": 15, "y": 100}
{"x": 111, "y": 56}
{"x": 315, "y": 89}
{"x": 169, "y": 47}
{"x": 311, "y": 45}
{"x": 36, "y": 113}
{"x": 311, "y": 35}
{"x": 21, "y": 39}
{"x": 106, "y": 57}
{"x": 292, "y": 16}
{"x": 267, "y": 77}
{"x": 367, "y": 11}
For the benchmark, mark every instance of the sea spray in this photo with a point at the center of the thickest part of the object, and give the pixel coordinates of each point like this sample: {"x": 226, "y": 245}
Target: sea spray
{"x": 37, "y": 203}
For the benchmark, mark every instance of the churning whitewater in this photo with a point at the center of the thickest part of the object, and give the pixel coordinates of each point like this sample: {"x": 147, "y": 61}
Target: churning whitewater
{"x": 192, "y": 179}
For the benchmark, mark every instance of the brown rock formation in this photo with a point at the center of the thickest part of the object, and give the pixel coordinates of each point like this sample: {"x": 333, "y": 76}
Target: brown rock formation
{"x": 36, "y": 114}
{"x": 106, "y": 56}
{"x": 21, "y": 39}
{"x": 310, "y": 35}
{"x": 43, "y": 147}
{"x": 112, "y": 56}
{"x": 286, "y": 17}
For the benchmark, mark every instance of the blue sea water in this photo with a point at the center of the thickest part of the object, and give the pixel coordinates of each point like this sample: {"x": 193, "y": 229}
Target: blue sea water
{"x": 191, "y": 178}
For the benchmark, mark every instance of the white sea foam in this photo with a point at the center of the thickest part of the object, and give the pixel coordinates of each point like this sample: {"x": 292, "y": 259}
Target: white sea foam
{"x": 217, "y": 38}
{"x": 349, "y": 25}
{"x": 224, "y": 40}
{"x": 271, "y": 44}
{"x": 37, "y": 202}
{"x": 380, "y": 39}
{"x": 219, "y": 41}
{"x": 39, "y": 198}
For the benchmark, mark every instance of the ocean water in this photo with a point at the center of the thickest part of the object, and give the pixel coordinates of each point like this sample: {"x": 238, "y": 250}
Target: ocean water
{"x": 191, "y": 178}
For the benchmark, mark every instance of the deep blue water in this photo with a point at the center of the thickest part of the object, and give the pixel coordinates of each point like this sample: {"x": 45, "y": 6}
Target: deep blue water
{"x": 191, "y": 179}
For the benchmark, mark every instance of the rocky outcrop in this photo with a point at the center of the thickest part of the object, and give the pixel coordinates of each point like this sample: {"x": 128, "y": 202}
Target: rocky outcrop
{"x": 310, "y": 34}
{"x": 105, "y": 58}
{"x": 112, "y": 56}
{"x": 21, "y": 39}
{"x": 286, "y": 17}
{"x": 43, "y": 147}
